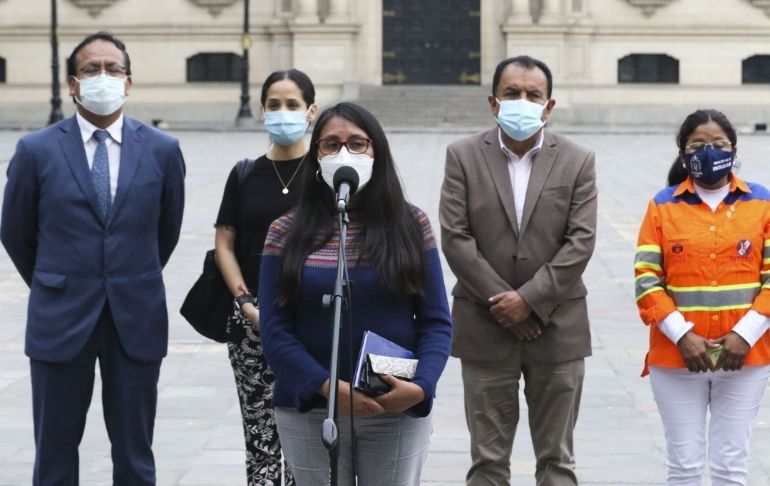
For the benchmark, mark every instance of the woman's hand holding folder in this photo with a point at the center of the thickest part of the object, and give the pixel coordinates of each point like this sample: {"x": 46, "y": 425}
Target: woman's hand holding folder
{"x": 402, "y": 396}
{"x": 363, "y": 405}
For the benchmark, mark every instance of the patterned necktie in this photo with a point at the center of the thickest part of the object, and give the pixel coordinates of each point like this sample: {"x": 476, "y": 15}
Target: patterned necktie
{"x": 100, "y": 171}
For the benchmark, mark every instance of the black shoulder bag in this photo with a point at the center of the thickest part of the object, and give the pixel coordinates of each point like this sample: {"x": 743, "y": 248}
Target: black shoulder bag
{"x": 209, "y": 301}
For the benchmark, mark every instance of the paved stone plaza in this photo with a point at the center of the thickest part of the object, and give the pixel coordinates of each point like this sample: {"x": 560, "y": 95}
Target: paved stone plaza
{"x": 198, "y": 437}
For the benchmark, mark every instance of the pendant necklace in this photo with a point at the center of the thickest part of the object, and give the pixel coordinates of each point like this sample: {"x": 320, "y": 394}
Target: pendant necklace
{"x": 286, "y": 185}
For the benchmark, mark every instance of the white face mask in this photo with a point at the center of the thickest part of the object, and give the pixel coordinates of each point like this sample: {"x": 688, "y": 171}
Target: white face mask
{"x": 102, "y": 95}
{"x": 361, "y": 163}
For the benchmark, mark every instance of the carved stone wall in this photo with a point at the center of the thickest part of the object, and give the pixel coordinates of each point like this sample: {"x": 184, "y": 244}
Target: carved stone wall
{"x": 339, "y": 43}
{"x": 94, "y": 7}
{"x": 763, "y": 5}
{"x": 649, "y": 6}
{"x": 214, "y": 7}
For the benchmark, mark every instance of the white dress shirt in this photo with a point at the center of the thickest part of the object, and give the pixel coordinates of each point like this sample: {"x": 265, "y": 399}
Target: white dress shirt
{"x": 519, "y": 170}
{"x": 115, "y": 130}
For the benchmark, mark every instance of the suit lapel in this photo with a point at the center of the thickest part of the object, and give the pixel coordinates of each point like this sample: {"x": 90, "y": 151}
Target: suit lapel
{"x": 130, "y": 152}
{"x": 72, "y": 145}
{"x": 541, "y": 168}
{"x": 498, "y": 167}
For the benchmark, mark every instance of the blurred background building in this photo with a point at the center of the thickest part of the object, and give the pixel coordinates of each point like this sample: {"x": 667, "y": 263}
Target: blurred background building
{"x": 413, "y": 62}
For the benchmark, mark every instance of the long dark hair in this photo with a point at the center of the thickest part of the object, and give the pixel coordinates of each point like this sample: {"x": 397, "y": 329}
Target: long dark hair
{"x": 677, "y": 173}
{"x": 392, "y": 238}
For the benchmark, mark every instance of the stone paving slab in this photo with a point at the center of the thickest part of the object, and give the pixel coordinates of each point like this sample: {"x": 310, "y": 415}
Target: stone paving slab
{"x": 198, "y": 437}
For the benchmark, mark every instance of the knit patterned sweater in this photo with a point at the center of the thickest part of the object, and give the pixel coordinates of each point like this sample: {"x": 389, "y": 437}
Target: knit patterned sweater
{"x": 296, "y": 338}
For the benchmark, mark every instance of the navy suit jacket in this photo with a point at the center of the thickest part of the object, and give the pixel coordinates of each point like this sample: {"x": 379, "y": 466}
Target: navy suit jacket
{"x": 72, "y": 260}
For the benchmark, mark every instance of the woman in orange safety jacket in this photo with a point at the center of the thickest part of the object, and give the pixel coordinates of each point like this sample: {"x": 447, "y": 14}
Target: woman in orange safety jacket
{"x": 702, "y": 270}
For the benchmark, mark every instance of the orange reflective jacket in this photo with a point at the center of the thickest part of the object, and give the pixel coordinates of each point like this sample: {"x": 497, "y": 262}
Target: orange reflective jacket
{"x": 712, "y": 266}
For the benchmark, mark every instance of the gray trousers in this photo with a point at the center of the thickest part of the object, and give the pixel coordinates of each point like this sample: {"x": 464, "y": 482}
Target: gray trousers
{"x": 390, "y": 449}
{"x": 552, "y": 391}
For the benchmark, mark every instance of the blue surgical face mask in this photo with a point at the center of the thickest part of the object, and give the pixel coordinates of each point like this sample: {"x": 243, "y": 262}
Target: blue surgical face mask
{"x": 709, "y": 165}
{"x": 520, "y": 119}
{"x": 285, "y": 126}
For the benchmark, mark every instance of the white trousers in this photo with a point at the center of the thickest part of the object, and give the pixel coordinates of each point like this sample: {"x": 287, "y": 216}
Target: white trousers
{"x": 731, "y": 397}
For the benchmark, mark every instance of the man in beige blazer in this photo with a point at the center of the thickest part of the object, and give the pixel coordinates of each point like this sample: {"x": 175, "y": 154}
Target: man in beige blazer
{"x": 518, "y": 226}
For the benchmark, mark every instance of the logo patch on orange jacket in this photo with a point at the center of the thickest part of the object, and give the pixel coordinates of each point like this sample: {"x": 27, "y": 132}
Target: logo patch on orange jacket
{"x": 743, "y": 248}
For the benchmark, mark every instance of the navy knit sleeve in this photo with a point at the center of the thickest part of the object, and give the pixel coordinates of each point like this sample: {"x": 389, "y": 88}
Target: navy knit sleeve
{"x": 296, "y": 372}
{"x": 433, "y": 323}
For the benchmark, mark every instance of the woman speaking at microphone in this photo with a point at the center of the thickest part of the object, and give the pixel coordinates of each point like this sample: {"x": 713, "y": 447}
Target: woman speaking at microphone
{"x": 397, "y": 292}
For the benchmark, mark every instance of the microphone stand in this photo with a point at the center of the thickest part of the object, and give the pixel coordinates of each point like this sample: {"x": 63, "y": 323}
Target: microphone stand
{"x": 330, "y": 434}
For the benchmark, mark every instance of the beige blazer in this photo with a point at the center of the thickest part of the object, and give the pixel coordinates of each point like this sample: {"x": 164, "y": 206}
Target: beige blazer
{"x": 543, "y": 261}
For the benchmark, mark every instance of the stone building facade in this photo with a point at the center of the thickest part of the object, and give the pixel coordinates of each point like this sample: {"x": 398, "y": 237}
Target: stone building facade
{"x": 614, "y": 61}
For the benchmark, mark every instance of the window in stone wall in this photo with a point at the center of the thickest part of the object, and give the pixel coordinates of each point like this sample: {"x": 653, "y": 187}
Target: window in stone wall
{"x": 2, "y": 70}
{"x": 220, "y": 67}
{"x": 648, "y": 68}
{"x": 756, "y": 69}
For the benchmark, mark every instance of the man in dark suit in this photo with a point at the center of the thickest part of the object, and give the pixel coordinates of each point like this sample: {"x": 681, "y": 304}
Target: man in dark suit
{"x": 518, "y": 226}
{"x": 92, "y": 211}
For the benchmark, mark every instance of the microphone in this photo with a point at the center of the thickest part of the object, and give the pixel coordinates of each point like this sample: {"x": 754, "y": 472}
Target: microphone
{"x": 345, "y": 184}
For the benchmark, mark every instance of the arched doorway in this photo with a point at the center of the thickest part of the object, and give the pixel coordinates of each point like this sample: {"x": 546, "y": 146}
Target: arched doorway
{"x": 431, "y": 42}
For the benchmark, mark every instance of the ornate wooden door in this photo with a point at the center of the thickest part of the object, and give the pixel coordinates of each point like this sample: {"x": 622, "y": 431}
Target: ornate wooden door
{"x": 431, "y": 42}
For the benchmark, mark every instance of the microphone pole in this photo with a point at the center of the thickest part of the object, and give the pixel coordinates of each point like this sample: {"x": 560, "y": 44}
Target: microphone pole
{"x": 345, "y": 184}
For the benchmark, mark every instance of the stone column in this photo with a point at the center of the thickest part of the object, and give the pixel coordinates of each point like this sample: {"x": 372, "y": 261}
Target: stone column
{"x": 519, "y": 12}
{"x": 282, "y": 10}
{"x": 552, "y": 11}
{"x": 579, "y": 11}
{"x": 538, "y": 30}
{"x": 307, "y": 12}
{"x": 339, "y": 12}
{"x": 578, "y": 6}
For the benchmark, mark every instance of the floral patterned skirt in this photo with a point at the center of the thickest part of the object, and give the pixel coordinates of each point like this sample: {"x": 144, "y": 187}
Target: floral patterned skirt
{"x": 254, "y": 382}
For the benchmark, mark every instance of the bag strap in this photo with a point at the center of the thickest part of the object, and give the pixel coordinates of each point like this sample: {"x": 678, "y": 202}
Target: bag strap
{"x": 244, "y": 168}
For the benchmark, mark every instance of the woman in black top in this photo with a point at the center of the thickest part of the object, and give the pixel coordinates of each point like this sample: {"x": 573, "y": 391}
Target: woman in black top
{"x": 249, "y": 205}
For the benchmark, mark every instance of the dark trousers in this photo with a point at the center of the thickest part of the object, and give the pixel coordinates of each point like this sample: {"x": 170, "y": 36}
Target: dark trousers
{"x": 61, "y": 395}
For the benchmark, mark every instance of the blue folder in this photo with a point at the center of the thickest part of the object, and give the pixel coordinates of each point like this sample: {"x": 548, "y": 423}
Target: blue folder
{"x": 373, "y": 343}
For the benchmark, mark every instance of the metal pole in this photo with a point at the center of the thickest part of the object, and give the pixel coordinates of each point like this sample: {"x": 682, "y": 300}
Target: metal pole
{"x": 245, "y": 117}
{"x": 329, "y": 429}
{"x": 56, "y": 114}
